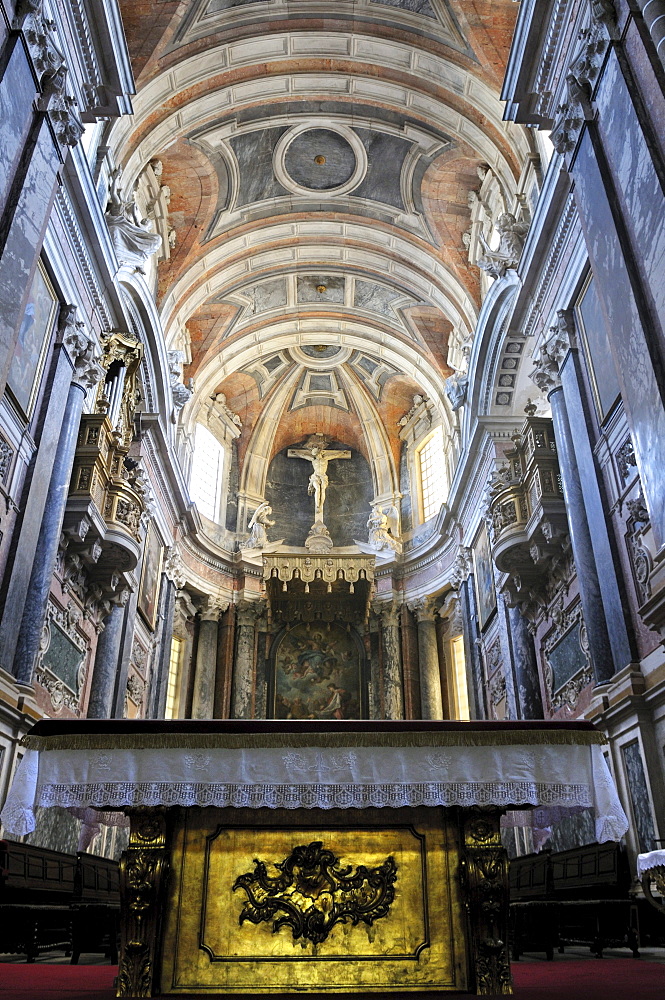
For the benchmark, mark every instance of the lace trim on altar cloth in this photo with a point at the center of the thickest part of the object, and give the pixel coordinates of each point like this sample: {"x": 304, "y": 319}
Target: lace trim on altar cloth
{"x": 115, "y": 795}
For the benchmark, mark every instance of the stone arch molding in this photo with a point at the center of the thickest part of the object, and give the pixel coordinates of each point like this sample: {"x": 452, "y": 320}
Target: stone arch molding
{"x": 385, "y": 477}
{"x": 423, "y": 66}
{"x": 412, "y": 265}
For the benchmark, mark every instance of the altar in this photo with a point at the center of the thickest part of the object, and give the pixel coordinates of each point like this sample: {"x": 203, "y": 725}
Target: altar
{"x": 284, "y": 857}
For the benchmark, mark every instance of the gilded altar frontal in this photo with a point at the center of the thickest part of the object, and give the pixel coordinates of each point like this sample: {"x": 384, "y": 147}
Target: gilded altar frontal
{"x": 314, "y": 900}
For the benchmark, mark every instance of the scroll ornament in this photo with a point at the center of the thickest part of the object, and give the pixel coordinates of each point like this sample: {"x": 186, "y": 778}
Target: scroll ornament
{"x": 312, "y": 892}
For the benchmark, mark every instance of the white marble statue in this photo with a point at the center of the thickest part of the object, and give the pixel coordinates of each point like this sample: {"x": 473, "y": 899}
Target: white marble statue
{"x": 132, "y": 240}
{"x": 380, "y": 529}
{"x": 258, "y": 536}
{"x": 511, "y": 243}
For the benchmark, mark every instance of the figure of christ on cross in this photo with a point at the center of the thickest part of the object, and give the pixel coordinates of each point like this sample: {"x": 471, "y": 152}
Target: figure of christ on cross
{"x": 315, "y": 452}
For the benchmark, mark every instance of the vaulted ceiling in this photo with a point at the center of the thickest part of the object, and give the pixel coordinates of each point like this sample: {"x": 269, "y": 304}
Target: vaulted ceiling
{"x": 320, "y": 159}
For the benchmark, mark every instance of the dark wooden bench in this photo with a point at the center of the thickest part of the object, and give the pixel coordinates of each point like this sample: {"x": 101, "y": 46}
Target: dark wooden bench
{"x": 52, "y": 900}
{"x": 576, "y": 897}
{"x": 95, "y": 907}
{"x": 36, "y": 887}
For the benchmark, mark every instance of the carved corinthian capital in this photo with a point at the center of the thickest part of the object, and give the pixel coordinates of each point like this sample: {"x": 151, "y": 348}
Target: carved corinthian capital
{"x": 213, "y": 607}
{"x": 80, "y": 348}
{"x": 549, "y": 357}
{"x": 424, "y": 608}
{"x": 388, "y": 612}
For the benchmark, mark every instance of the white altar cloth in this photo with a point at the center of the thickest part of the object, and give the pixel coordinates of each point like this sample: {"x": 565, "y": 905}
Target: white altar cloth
{"x": 645, "y": 862}
{"x": 563, "y": 776}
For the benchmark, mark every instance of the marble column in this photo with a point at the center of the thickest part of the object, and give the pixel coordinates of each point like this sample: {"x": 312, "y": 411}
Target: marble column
{"x": 580, "y": 538}
{"x": 107, "y": 656}
{"x": 205, "y": 675}
{"x": 86, "y": 374}
{"x": 393, "y": 695}
{"x": 474, "y": 667}
{"x": 243, "y": 669}
{"x": 525, "y": 666}
{"x": 428, "y": 658}
{"x": 163, "y": 656}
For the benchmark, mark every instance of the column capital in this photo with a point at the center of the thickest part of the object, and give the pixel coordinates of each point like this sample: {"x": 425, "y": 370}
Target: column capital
{"x": 248, "y": 611}
{"x": 388, "y": 612}
{"x": 213, "y": 607}
{"x": 424, "y": 608}
{"x": 174, "y": 568}
{"x": 551, "y": 354}
{"x": 462, "y": 567}
{"x": 80, "y": 348}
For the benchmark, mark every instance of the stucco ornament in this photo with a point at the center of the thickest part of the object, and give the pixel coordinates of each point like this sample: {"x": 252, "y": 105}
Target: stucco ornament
{"x": 511, "y": 243}
{"x": 131, "y": 237}
{"x": 180, "y": 393}
{"x": 456, "y": 389}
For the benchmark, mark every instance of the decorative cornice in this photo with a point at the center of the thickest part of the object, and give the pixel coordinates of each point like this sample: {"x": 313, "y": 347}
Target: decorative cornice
{"x": 566, "y": 220}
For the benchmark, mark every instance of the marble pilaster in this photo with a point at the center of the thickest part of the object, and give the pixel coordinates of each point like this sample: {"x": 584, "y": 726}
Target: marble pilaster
{"x": 477, "y": 705}
{"x": 243, "y": 669}
{"x": 205, "y": 676}
{"x": 428, "y": 658}
{"x": 614, "y": 603}
{"x": 393, "y": 695}
{"x": 580, "y": 537}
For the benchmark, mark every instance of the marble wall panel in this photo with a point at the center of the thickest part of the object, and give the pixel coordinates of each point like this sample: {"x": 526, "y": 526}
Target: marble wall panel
{"x": 385, "y": 156}
{"x": 333, "y": 286}
{"x": 406, "y": 508}
{"x": 639, "y": 796}
{"x": 639, "y": 388}
{"x": 17, "y": 92}
{"x": 26, "y": 232}
{"x": 254, "y": 152}
{"x": 637, "y": 184}
{"x": 375, "y": 298}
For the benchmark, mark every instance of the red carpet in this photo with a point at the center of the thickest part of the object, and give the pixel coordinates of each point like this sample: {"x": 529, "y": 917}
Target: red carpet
{"x": 606, "y": 979}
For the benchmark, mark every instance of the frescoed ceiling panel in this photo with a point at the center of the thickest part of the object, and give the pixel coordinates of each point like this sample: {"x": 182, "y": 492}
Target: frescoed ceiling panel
{"x": 320, "y": 165}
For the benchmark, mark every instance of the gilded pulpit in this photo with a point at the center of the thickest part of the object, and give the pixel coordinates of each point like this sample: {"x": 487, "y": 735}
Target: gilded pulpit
{"x": 313, "y": 856}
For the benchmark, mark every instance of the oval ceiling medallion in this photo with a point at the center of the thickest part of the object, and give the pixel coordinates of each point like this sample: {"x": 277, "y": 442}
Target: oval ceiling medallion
{"x": 310, "y": 159}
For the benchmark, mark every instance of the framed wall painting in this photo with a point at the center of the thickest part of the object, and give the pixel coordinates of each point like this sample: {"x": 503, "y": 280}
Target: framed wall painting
{"x": 27, "y": 363}
{"x": 483, "y": 573}
{"x": 150, "y": 577}
{"x": 317, "y": 674}
{"x": 602, "y": 373}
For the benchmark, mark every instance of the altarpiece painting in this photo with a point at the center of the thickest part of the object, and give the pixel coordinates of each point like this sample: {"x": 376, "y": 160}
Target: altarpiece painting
{"x": 317, "y": 674}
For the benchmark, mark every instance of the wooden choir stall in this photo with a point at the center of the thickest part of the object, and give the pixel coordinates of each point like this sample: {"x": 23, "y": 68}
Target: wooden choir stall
{"x": 281, "y": 857}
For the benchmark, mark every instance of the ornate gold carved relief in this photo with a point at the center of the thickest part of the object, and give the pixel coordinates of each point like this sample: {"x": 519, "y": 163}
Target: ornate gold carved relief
{"x": 312, "y": 892}
{"x": 143, "y": 867}
{"x": 484, "y": 870}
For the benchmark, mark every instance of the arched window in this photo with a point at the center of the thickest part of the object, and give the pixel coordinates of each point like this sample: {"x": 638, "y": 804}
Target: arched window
{"x": 205, "y": 484}
{"x": 431, "y": 475}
